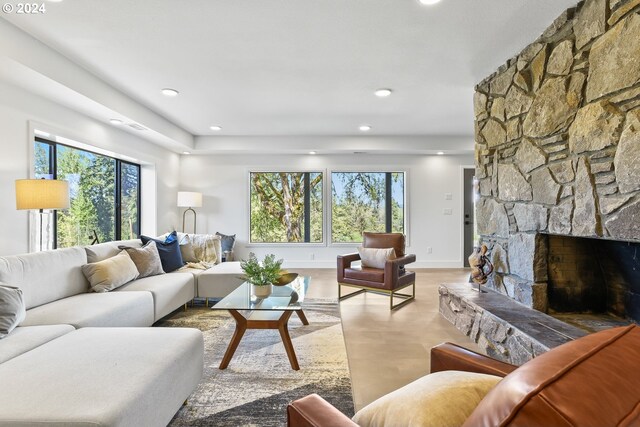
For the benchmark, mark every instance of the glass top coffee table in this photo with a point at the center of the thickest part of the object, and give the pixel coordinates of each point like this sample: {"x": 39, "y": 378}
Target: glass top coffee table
{"x": 272, "y": 312}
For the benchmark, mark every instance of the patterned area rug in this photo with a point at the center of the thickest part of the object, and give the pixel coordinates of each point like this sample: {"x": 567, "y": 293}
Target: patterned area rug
{"x": 259, "y": 382}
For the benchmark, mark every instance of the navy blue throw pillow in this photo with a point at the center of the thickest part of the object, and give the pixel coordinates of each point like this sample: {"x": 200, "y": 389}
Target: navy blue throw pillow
{"x": 169, "y": 250}
{"x": 226, "y": 242}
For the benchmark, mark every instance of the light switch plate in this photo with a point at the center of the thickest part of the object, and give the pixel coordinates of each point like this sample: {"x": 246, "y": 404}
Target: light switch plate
{"x": 447, "y": 211}
{"x": 448, "y": 196}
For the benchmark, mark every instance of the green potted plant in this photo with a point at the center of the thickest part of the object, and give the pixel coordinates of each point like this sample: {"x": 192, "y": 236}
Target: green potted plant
{"x": 262, "y": 275}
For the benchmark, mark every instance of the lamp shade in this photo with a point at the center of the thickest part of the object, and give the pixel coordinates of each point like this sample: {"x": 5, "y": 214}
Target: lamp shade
{"x": 42, "y": 194}
{"x": 189, "y": 199}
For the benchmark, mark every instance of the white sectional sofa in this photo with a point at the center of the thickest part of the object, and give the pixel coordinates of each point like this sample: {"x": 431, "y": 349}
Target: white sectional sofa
{"x": 90, "y": 359}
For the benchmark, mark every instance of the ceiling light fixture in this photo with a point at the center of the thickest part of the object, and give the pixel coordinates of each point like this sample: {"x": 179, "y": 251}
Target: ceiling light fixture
{"x": 169, "y": 92}
{"x": 364, "y": 128}
{"x": 383, "y": 93}
{"x": 313, "y": 153}
{"x": 429, "y": 2}
{"x": 440, "y": 153}
{"x": 186, "y": 152}
{"x": 116, "y": 122}
{"x": 216, "y": 128}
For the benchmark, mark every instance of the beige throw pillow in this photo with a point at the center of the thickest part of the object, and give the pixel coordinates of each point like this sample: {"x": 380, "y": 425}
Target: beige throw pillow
{"x": 146, "y": 259}
{"x": 441, "y": 399}
{"x": 375, "y": 258}
{"x": 12, "y": 309}
{"x": 104, "y": 276}
{"x": 187, "y": 250}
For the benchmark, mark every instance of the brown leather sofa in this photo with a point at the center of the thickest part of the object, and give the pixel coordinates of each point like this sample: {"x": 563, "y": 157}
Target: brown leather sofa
{"x": 592, "y": 381}
{"x": 389, "y": 281}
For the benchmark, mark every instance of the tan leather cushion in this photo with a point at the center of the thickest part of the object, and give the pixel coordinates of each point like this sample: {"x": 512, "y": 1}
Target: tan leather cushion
{"x": 592, "y": 381}
{"x": 366, "y": 274}
{"x": 384, "y": 240}
{"x": 441, "y": 399}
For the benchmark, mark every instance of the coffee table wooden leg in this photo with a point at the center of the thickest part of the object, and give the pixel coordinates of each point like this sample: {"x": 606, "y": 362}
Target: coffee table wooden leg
{"x": 241, "y": 327}
{"x": 286, "y": 339}
{"x": 302, "y": 317}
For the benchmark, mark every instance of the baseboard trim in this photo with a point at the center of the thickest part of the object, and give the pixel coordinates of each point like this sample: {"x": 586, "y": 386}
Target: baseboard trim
{"x": 332, "y": 264}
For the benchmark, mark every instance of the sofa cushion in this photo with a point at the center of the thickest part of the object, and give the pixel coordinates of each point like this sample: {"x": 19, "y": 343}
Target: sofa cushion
{"x": 12, "y": 310}
{"x": 375, "y": 257}
{"x": 103, "y": 377}
{"x": 46, "y": 276}
{"x": 111, "y": 273}
{"x": 590, "y": 381}
{"x": 440, "y": 399}
{"x": 102, "y": 251}
{"x": 169, "y": 251}
{"x": 146, "y": 259}
{"x": 187, "y": 250}
{"x": 227, "y": 241}
{"x": 107, "y": 309}
{"x": 219, "y": 280}
{"x": 26, "y": 338}
{"x": 170, "y": 291}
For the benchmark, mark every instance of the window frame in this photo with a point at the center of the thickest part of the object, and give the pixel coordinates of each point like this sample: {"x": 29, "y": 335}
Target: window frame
{"x": 320, "y": 171}
{"x": 386, "y": 170}
{"x": 53, "y": 168}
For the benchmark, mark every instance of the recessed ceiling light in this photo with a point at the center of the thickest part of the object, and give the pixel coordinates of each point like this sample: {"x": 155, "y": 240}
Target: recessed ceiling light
{"x": 169, "y": 92}
{"x": 313, "y": 153}
{"x": 429, "y": 2}
{"x": 383, "y": 93}
{"x": 116, "y": 122}
{"x": 186, "y": 152}
{"x": 216, "y": 128}
{"x": 365, "y": 128}
{"x": 440, "y": 153}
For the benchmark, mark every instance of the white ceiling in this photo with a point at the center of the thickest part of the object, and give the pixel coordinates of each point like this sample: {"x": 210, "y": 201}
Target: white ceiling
{"x": 296, "y": 67}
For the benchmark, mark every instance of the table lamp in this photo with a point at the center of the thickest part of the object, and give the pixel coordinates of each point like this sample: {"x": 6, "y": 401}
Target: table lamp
{"x": 41, "y": 194}
{"x": 189, "y": 200}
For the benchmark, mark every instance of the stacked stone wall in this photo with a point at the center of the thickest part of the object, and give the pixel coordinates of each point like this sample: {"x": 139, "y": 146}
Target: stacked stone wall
{"x": 558, "y": 143}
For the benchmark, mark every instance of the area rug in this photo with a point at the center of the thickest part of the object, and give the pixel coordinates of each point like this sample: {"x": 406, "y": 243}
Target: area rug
{"x": 259, "y": 382}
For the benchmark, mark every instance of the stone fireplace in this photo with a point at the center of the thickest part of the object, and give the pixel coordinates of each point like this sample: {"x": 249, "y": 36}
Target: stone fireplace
{"x": 558, "y": 163}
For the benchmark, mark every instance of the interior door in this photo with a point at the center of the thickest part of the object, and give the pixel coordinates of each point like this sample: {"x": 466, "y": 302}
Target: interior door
{"x": 469, "y": 213}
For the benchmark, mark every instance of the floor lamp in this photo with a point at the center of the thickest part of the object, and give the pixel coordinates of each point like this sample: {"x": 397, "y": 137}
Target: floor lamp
{"x": 41, "y": 194}
{"x": 189, "y": 200}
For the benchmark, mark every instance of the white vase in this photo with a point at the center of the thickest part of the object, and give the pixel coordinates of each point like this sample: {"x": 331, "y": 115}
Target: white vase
{"x": 262, "y": 291}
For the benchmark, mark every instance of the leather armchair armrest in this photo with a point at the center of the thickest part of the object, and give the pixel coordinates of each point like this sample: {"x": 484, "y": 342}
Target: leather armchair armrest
{"x": 451, "y": 357}
{"x": 392, "y": 269}
{"x": 314, "y": 411}
{"x": 344, "y": 261}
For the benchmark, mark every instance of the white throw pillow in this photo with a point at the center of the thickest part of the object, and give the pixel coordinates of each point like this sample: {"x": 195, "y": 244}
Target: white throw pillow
{"x": 111, "y": 273}
{"x": 12, "y": 309}
{"x": 375, "y": 258}
{"x": 441, "y": 399}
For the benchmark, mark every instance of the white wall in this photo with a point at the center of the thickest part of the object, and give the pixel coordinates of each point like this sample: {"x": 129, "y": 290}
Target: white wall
{"x": 223, "y": 179}
{"x": 19, "y": 108}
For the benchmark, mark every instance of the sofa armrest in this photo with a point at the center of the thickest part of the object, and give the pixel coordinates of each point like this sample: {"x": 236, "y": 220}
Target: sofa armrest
{"x": 344, "y": 261}
{"x": 314, "y": 411}
{"x": 451, "y": 357}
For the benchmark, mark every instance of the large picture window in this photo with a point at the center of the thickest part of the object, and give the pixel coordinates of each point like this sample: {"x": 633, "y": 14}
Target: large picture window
{"x": 104, "y": 193}
{"x": 286, "y": 207}
{"x": 366, "y": 201}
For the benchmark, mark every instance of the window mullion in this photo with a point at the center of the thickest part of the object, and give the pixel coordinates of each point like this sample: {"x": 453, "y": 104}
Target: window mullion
{"x": 388, "y": 204}
{"x": 307, "y": 207}
{"x": 118, "y": 199}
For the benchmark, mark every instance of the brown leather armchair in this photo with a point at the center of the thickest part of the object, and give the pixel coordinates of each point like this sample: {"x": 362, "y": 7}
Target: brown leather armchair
{"x": 387, "y": 281}
{"x": 592, "y": 381}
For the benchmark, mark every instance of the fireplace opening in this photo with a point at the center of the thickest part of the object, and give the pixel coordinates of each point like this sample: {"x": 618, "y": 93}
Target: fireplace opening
{"x": 593, "y": 281}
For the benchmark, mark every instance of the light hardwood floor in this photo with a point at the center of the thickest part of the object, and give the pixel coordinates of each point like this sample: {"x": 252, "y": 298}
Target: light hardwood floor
{"x": 388, "y": 349}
